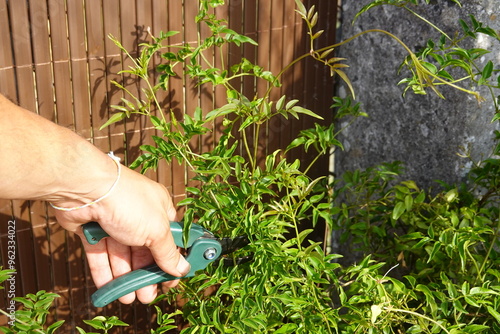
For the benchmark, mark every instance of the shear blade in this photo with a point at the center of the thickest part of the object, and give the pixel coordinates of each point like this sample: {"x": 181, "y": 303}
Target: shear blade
{"x": 231, "y": 262}
{"x": 230, "y": 245}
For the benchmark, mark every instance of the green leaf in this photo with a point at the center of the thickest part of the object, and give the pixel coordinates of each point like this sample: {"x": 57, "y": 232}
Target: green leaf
{"x": 167, "y": 69}
{"x": 302, "y": 235}
{"x": 280, "y": 103}
{"x": 305, "y": 111}
{"x": 205, "y": 318}
{"x": 296, "y": 142}
{"x": 412, "y": 280}
{"x": 346, "y": 79}
{"x": 254, "y": 323}
{"x": 164, "y": 35}
{"x": 311, "y": 12}
{"x": 494, "y": 313}
{"x": 314, "y": 20}
{"x": 408, "y": 202}
{"x": 420, "y": 198}
{"x": 480, "y": 290}
{"x": 246, "y": 123}
{"x": 434, "y": 251}
{"x": 399, "y": 209}
{"x": 6, "y": 330}
{"x": 198, "y": 114}
{"x": 376, "y": 310}
{"x": 444, "y": 74}
{"x": 238, "y": 38}
{"x": 287, "y": 329}
{"x": 121, "y": 108}
{"x": 290, "y": 104}
{"x": 319, "y": 33}
{"x": 475, "y": 328}
{"x": 52, "y": 328}
{"x": 80, "y": 330}
{"x": 169, "y": 56}
{"x": 487, "y": 70}
{"x": 326, "y": 53}
{"x": 301, "y": 8}
{"x": 96, "y": 324}
{"x": 451, "y": 195}
{"x": 462, "y": 251}
{"x": 113, "y": 119}
{"x": 471, "y": 301}
{"x": 458, "y": 306}
{"x": 26, "y": 302}
{"x": 466, "y": 28}
{"x": 368, "y": 7}
{"x": 497, "y": 115}
{"x": 224, "y": 110}
{"x": 431, "y": 67}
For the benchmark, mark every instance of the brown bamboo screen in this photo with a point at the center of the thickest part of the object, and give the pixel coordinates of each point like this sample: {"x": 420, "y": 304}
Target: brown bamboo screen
{"x": 57, "y": 61}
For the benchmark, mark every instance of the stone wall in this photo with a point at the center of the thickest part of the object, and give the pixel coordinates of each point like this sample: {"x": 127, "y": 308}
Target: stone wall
{"x": 425, "y": 132}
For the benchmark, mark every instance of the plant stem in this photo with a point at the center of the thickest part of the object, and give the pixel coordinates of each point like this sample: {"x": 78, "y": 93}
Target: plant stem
{"x": 495, "y": 235}
{"x": 423, "y": 74}
{"x": 314, "y": 161}
{"x": 247, "y": 148}
{"x": 417, "y": 315}
{"x": 427, "y": 21}
{"x": 256, "y": 130}
{"x": 21, "y": 322}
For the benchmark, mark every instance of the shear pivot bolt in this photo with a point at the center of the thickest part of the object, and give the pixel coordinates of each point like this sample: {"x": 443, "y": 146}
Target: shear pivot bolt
{"x": 210, "y": 253}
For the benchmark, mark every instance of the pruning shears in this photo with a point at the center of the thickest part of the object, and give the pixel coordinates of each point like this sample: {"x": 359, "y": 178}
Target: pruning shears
{"x": 202, "y": 249}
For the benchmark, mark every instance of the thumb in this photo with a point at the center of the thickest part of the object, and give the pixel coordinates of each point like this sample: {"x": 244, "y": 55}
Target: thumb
{"x": 167, "y": 256}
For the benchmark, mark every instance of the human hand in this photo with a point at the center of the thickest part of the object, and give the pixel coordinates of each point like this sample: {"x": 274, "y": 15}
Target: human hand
{"x": 136, "y": 215}
{"x": 52, "y": 163}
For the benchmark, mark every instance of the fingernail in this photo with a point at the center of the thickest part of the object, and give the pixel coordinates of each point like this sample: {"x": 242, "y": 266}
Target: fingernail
{"x": 183, "y": 266}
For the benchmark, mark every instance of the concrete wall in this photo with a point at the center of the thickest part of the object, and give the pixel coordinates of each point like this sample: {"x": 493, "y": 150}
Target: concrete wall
{"x": 424, "y": 132}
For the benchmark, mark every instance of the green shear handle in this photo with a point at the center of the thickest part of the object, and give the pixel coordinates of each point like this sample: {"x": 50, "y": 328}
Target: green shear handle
{"x": 202, "y": 249}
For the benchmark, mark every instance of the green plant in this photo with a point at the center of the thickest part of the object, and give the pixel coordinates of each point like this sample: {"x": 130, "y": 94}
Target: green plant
{"x": 442, "y": 57}
{"x": 32, "y": 317}
{"x": 446, "y": 247}
{"x": 292, "y": 286}
{"x": 105, "y": 324}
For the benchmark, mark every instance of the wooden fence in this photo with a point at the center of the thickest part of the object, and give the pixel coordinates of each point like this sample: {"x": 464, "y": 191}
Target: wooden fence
{"x": 57, "y": 61}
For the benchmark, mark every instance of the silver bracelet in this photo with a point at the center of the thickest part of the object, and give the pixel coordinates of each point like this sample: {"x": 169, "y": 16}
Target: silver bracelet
{"x": 117, "y": 161}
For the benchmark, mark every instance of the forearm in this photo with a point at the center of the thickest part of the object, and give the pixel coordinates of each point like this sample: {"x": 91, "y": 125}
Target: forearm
{"x": 41, "y": 160}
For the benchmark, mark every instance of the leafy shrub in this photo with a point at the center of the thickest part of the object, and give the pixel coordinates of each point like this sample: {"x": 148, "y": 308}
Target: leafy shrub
{"x": 447, "y": 248}
{"x": 292, "y": 286}
{"x": 32, "y": 317}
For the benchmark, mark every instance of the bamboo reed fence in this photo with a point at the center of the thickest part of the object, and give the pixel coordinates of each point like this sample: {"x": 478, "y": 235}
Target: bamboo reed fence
{"x": 56, "y": 60}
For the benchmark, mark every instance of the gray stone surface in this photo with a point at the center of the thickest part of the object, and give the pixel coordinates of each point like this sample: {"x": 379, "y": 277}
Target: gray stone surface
{"x": 423, "y": 131}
